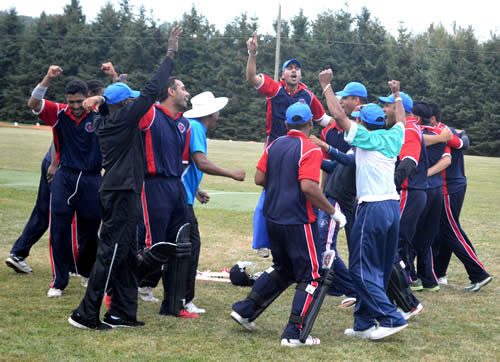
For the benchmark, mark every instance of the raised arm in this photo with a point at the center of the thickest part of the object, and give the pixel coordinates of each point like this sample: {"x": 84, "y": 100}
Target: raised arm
{"x": 252, "y": 76}
{"x": 334, "y": 107}
{"x": 400, "y": 111}
{"x": 108, "y": 69}
{"x": 35, "y": 101}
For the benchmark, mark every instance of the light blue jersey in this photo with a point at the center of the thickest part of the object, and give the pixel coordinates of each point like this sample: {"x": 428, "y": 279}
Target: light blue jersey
{"x": 192, "y": 175}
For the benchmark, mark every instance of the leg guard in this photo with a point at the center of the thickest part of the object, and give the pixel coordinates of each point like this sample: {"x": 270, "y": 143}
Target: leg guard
{"x": 282, "y": 283}
{"x": 175, "y": 274}
{"x": 318, "y": 294}
{"x": 399, "y": 291}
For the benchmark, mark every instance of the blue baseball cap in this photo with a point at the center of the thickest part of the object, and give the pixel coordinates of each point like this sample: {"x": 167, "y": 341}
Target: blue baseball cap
{"x": 353, "y": 89}
{"x": 407, "y": 101}
{"x": 298, "y": 113}
{"x": 117, "y": 92}
{"x": 371, "y": 113}
{"x": 289, "y": 61}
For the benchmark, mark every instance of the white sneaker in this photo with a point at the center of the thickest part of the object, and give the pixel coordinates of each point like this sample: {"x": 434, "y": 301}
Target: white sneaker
{"x": 443, "y": 281}
{"x": 18, "y": 264}
{"x": 414, "y": 311}
{"x": 243, "y": 321}
{"x": 263, "y": 252}
{"x": 84, "y": 282}
{"x": 146, "y": 294}
{"x": 191, "y": 308}
{"x": 382, "y": 332}
{"x": 474, "y": 287}
{"x": 360, "y": 334}
{"x": 310, "y": 341}
{"x": 53, "y": 293}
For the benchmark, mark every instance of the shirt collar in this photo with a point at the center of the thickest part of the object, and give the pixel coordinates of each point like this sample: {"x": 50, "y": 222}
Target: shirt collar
{"x": 72, "y": 116}
{"x": 299, "y": 88}
{"x": 296, "y": 133}
{"x": 178, "y": 115}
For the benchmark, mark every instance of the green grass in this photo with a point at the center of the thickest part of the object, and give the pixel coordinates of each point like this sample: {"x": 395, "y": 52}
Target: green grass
{"x": 454, "y": 325}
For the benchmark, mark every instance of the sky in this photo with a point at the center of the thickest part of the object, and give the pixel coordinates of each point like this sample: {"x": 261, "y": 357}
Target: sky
{"x": 416, "y": 15}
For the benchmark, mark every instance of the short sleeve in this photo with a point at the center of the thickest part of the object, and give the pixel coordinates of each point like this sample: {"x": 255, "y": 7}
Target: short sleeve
{"x": 310, "y": 165}
{"x": 49, "y": 111}
{"x": 412, "y": 146}
{"x": 269, "y": 87}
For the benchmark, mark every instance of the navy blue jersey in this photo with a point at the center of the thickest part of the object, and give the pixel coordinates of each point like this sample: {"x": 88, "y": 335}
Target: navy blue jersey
{"x": 279, "y": 98}
{"x": 287, "y": 161}
{"x": 454, "y": 175}
{"x": 76, "y": 144}
{"x": 435, "y": 152}
{"x": 334, "y": 136}
{"x": 165, "y": 139}
{"x": 414, "y": 149}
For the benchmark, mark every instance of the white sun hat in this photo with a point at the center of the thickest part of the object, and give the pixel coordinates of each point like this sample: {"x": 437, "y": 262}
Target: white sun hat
{"x": 204, "y": 104}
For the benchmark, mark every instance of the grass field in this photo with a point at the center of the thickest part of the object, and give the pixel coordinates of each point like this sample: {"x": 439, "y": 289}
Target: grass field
{"x": 454, "y": 326}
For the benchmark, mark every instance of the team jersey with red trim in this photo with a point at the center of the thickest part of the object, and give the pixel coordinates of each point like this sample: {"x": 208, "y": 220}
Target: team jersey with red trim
{"x": 414, "y": 149}
{"x": 435, "y": 153}
{"x": 165, "y": 138}
{"x": 455, "y": 141}
{"x": 454, "y": 175}
{"x": 77, "y": 146}
{"x": 287, "y": 161}
{"x": 279, "y": 98}
{"x": 334, "y": 136}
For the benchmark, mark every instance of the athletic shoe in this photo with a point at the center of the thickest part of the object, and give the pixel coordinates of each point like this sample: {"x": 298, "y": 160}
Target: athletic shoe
{"x": 414, "y": 311}
{"x": 84, "y": 282}
{"x": 347, "y": 303}
{"x": 116, "y": 322}
{"x": 187, "y": 315}
{"x": 18, "y": 264}
{"x": 244, "y": 322}
{"x": 107, "y": 301}
{"x": 77, "y": 321}
{"x": 263, "y": 252}
{"x": 146, "y": 294}
{"x": 54, "y": 292}
{"x": 191, "y": 308}
{"x": 474, "y": 287}
{"x": 435, "y": 288}
{"x": 360, "y": 334}
{"x": 310, "y": 341}
{"x": 382, "y": 332}
{"x": 416, "y": 285}
{"x": 443, "y": 281}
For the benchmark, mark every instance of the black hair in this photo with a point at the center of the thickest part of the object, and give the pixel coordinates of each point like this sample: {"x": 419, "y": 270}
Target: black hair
{"x": 297, "y": 126}
{"x": 164, "y": 90}
{"x": 362, "y": 100}
{"x": 422, "y": 110}
{"x": 436, "y": 111}
{"x": 76, "y": 87}
{"x": 373, "y": 127}
{"x": 94, "y": 86}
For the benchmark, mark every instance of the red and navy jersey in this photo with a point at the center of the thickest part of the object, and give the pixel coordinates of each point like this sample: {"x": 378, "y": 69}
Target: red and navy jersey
{"x": 165, "y": 138}
{"x": 77, "y": 146}
{"x": 435, "y": 152}
{"x": 334, "y": 136}
{"x": 414, "y": 149}
{"x": 287, "y": 161}
{"x": 454, "y": 175}
{"x": 279, "y": 98}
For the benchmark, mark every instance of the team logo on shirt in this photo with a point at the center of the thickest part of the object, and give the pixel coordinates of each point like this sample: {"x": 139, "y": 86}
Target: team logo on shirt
{"x": 301, "y": 100}
{"x": 89, "y": 127}
{"x": 181, "y": 127}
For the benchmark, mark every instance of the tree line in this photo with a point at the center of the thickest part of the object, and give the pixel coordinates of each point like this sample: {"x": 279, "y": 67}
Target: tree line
{"x": 453, "y": 69}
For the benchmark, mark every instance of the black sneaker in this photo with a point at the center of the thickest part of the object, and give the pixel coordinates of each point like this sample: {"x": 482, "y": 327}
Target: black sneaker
{"x": 77, "y": 321}
{"x": 115, "y": 322}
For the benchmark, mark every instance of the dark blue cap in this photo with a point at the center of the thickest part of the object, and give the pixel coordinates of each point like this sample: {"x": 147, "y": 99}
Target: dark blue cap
{"x": 422, "y": 109}
{"x": 289, "y": 61}
{"x": 353, "y": 89}
{"x": 298, "y": 113}
{"x": 407, "y": 101}
{"x": 117, "y": 92}
{"x": 371, "y": 113}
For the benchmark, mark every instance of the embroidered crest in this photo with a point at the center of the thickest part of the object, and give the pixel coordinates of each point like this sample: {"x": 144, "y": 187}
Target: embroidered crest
{"x": 301, "y": 100}
{"x": 181, "y": 127}
{"x": 89, "y": 127}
